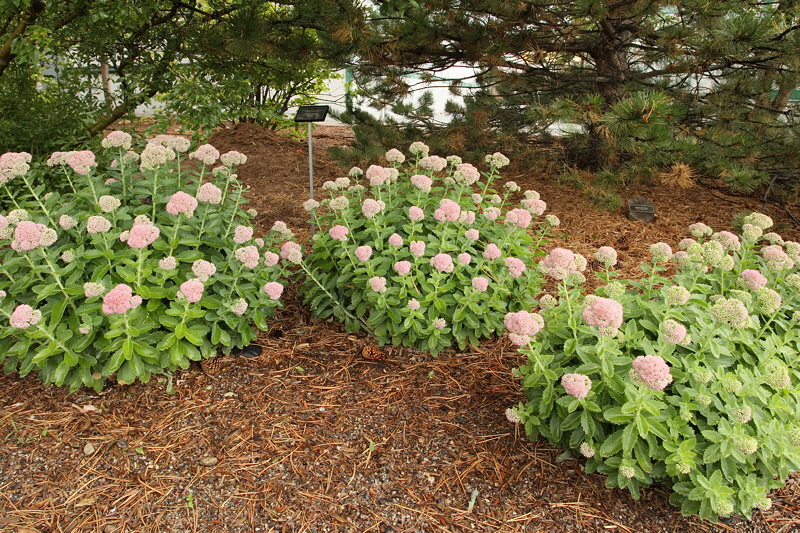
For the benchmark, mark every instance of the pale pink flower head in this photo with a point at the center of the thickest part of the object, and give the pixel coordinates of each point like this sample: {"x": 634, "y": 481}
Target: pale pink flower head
{"x": 191, "y": 290}
{"x": 371, "y": 207}
{"x": 292, "y": 252}
{"x": 363, "y": 253}
{"x": 466, "y": 174}
{"x": 521, "y": 326}
{"x": 491, "y": 213}
{"x": 422, "y": 182}
{"x": 467, "y": 217}
{"x": 203, "y": 269}
{"x": 753, "y": 279}
{"x": 413, "y": 304}
{"x": 119, "y": 300}
{"x": 699, "y": 229}
{"x": 182, "y": 203}
{"x": 433, "y": 162}
{"x": 519, "y": 218}
{"x": 497, "y": 160}
{"x": 419, "y": 148}
{"x": 560, "y": 263}
{"x": 606, "y": 255}
{"x": 280, "y": 227}
{"x": 176, "y": 143}
{"x": 206, "y": 154}
{"x": 93, "y": 289}
{"x": 776, "y": 258}
{"x": 154, "y": 155}
{"x": 248, "y": 256}
{"x": 729, "y": 241}
{"x": 378, "y": 284}
{"x": 310, "y": 204}
{"x": 233, "y": 159}
{"x": 271, "y": 259}
{"x": 652, "y": 371}
{"x": 395, "y": 156}
{"x": 239, "y": 307}
{"x": 209, "y": 193}
{"x": 515, "y": 267}
{"x": 415, "y": 213}
{"x": 464, "y": 259}
{"x": 117, "y": 139}
{"x": 168, "y": 263}
{"x": 273, "y": 290}
{"x": 448, "y": 211}
{"x": 377, "y": 175}
{"x": 338, "y": 233}
{"x": 674, "y": 332}
{"x": 28, "y": 235}
{"x": 25, "y": 316}
{"x": 355, "y": 172}
{"x": 395, "y": 240}
{"x": 576, "y": 385}
{"x": 442, "y": 262}
{"x": 242, "y": 234}
{"x": 492, "y": 252}
{"x": 402, "y": 267}
{"x": 534, "y": 206}
{"x": 82, "y": 161}
{"x": 661, "y": 252}
{"x": 480, "y": 283}
{"x": 108, "y": 203}
{"x": 142, "y": 235}
{"x": 604, "y": 313}
{"x": 417, "y": 248}
{"x": 440, "y": 323}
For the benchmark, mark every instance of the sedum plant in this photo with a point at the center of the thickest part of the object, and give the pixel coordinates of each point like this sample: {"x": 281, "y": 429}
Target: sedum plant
{"x": 424, "y": 252}
{"x": 690, "y": 380}
{"x": 146, "y": 263}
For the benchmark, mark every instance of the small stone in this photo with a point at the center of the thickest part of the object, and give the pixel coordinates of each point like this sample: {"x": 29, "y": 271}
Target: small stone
{"x": 209, "y": 461}
{"x": 641, "y": 209}
{"x": 88, "y": 449}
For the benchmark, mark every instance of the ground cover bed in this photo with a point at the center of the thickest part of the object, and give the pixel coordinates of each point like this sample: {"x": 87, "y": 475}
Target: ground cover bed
{"x": 313, "y": 435}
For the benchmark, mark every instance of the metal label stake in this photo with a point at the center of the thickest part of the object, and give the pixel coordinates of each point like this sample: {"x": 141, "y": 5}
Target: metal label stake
{"x": 311, "y": 113}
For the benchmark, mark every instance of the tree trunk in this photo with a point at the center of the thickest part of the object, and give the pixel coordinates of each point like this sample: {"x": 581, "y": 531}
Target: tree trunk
{"x": 26, "y": 19}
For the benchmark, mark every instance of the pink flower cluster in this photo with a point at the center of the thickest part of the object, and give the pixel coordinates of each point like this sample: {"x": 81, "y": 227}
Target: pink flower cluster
{"x": 472, "y": 234}
{"x": 674, "y": 332}
{"x": 576, "y": 385}
{"x": 521, "y": 326}
{"x": 415, "y": 214}
{"x": 534, "y": 206}
{"x": 729, "y": 241}
{"x": 442, "y": 262}
{"x": 753, "y": 279}
{"x": 417, "y": 248}
{"x": 402, "y": 267}
{"x": 464, "y": 258}
{"x": 439, "y": 323}
{"x": 271, "y": 259}
{"x": 605, "y": 314}
{"x": 448, "y": 211}
{"x": 203, "y": 269}
{"x": 67, "y": 222}
{"x": 433, "y": 162}
{"x": 466, "y": 174}
{"x": 338, "y": 233}
{"x": 419, "y": 148}
{"x": 560, "y": 263}
{"x": 273, "y": 289}
{"x": 491, "y": 213}
{"x": 371, "y": 207}
{"x": 13, "y": 164}
{"x": 292, "y": 252}
{"x": 191, "y": 290}
{"x": 233, "y": 159}
{"x": 480, "y": 283}
{"x": 209, "y": 193}
{"x": 174, "y": 142}
{"x": 378, "y": 284}
{"x": 182, "y": 203}
{"x": 363, "y": 253}
{"x": 652, "y": 370}
{"x": 519, "y": 218}
{"x": 154, "y": 155}
{"x": 378, "y": 175}
{"x": 168, "y": 263}
{"x": 776, "y": 258}
{"x": 97, "y": 224}
{"x": 142, "y": 235}
{"x": 29, "y": 235}
{"x": 25, "y": 316}
{"x": 422, "y": 182}
{"x": 515, "y": 267}
{"x": 117, "y": 139}
{"x": 242, "y": 234}
{"x": 248, "y": 256}
{"x": 606, "y": 255}
{"x": 93, "y": 289}
{"x": 395, "y": 240}
{"x": 395, "y": 156}
{"x": 108, "y": 203}
{"x": 119, "y": 300}
{"x": 206, "y": 154}
{"x": 492, "y": 252}
{"x": 81, "y": 161}
{"x": 239, "y": 307}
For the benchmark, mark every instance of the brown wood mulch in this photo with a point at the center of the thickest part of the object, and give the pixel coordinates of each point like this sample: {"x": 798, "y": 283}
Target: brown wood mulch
{"x": 311, "y": 436}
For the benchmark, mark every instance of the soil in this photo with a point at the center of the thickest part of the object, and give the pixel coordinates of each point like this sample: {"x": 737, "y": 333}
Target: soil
{"x": 312, "y": 436}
